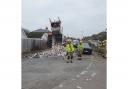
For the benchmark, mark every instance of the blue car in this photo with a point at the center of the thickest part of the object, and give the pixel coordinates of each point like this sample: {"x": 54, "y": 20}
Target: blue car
{"x": 87, "y": 49}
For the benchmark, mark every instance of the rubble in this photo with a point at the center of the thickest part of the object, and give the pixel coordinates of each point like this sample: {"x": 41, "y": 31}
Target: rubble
{"x": 55, "y": 51}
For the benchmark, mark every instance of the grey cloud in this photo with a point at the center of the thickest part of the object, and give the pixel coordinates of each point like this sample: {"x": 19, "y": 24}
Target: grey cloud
{"x": 76, "y": 15}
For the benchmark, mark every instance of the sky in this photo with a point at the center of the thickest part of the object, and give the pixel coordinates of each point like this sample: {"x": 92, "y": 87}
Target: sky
{"x": 79, "y": 17}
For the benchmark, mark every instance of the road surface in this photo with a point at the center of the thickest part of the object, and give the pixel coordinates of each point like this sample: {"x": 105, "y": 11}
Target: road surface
{"x": 55, "y": 73}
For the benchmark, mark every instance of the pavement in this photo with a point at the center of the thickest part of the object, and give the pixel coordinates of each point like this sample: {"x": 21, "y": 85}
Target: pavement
{"x": 55, "y": 73}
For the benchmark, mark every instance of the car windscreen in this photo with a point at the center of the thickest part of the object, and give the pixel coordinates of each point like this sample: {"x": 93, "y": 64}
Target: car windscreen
{"x": 86, "y": 45}
{"x": 75, "y": 41}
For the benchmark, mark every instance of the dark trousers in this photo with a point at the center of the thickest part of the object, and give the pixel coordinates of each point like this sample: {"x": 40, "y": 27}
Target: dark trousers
{"x": 79, "y": 54}
{"x": 70, "y": 56}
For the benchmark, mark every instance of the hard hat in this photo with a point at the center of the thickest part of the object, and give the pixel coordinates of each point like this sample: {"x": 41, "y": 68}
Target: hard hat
{"x": 80, "y": 41}
{"x": 68, "y": 40}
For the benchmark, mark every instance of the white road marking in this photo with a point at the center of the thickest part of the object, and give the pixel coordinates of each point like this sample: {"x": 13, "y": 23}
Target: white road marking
{"x": 78, "y": 87}
{"x": 61, "y": 85}
{"x": 89, "y": 66}
{"x": 93, "y": 74}
{"x": 83, "y": 72}
{"x": 88, "y": 79}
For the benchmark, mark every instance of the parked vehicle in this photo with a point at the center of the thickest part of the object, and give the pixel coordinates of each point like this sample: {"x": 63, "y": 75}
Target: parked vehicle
{"x": 87, "y": 49}
{"x": 75, "y": 43}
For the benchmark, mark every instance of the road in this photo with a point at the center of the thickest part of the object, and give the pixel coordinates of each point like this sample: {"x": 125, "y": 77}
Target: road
{"x": 55, "y": 73}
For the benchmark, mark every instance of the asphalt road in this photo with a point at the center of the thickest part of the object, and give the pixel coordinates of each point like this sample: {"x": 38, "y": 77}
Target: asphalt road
{"x": 55, "y": 73}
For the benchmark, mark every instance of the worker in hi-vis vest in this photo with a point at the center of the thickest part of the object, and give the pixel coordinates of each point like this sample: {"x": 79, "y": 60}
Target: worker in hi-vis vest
{"x": 69, "y": 50}
{"x": 80, "y": 50}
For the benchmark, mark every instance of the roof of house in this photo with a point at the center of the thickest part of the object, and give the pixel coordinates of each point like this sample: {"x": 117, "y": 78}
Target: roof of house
{"x": 35, "y": 34}
{"x": 41, "y": 30}
{"x": 38, "y": 33}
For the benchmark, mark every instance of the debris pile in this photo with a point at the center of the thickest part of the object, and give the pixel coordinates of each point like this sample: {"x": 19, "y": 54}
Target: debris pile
{"x": 55, "y": 51}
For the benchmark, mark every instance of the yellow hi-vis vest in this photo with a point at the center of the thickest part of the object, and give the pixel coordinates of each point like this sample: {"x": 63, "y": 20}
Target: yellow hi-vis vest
{"x": 69, "y": 48}
{"x": 80, "y": 47}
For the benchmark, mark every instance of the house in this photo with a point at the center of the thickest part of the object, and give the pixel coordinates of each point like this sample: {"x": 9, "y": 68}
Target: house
{"x": 38, "y": 33}
{"x": 23, "y": 34}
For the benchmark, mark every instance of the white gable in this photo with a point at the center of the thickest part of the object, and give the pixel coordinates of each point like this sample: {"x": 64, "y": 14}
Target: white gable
{"x": 45, "y": 36}
{"x": 23, "y": 35}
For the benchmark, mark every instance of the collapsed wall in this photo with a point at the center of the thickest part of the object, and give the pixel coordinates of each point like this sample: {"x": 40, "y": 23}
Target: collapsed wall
{"x": 57, "y": 34}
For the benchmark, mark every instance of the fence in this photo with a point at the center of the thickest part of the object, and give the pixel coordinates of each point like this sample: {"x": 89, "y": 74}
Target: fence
{"x": 32, "y": 44}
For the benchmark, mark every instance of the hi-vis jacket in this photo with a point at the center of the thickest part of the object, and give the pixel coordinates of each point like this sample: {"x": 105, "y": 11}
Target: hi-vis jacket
{"x": 69, "y": 48}
{"x": 80, "y": 47}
